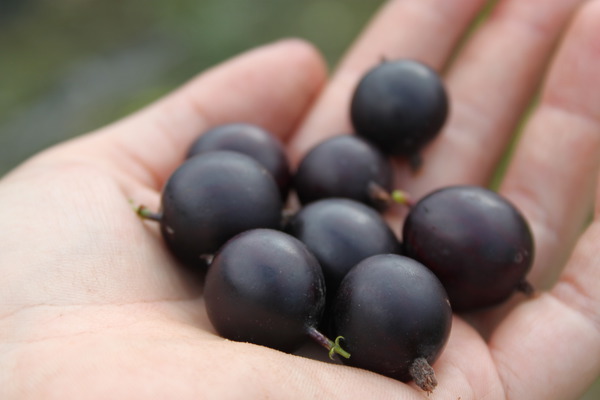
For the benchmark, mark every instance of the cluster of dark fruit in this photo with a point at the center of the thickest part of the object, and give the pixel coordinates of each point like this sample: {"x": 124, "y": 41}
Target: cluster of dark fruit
{"x": 335, "y": 268}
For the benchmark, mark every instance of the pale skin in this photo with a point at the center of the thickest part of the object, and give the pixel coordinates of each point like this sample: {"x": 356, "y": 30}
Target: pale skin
{"x": 92, "y": 306}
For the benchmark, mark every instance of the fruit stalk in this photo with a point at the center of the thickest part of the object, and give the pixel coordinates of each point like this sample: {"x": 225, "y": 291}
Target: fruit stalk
{"x": 381, "y": 195}
{"x": 525, "y": 287}
{"x": 423, "y": 375}
{"x": 145, "y": 213}
{"x": 334, "y": 347}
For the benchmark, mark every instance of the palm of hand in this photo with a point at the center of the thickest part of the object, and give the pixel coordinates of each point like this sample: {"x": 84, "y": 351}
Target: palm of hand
{"x": 94, "y": 307}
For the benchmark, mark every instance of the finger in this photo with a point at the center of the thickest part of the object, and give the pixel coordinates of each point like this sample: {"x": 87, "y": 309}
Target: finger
{"x": 548, "y": 348}
{"x": 270, "y": 86}
{"x": 490, "y": 84}
{"x": 556, "y": 337}
{"x": 426, "y": 30}
{"x": 553, "y": 172}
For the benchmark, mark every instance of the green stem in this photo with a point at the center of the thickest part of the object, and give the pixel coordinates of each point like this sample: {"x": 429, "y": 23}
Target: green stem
{"x": 401, "y": 197}
{"x": 145, "y": 213}
{"x": 334, "y": 347}
{"x": 381, "y": 195}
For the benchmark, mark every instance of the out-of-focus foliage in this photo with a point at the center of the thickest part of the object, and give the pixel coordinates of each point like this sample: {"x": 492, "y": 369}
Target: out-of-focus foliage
{"x": 69, "y": 66}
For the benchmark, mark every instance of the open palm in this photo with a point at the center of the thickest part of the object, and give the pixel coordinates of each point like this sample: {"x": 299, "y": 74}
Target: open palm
{"x": 92, "y": 306}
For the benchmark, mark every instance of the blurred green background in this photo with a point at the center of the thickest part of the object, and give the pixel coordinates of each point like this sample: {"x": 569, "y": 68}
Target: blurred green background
{"x": 70, "y": 66}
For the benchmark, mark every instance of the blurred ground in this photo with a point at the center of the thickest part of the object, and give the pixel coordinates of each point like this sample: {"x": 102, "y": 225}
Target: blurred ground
{"x": 70, "y": 66}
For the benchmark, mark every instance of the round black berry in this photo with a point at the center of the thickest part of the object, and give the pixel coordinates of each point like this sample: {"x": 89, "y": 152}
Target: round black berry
{"x": 399, "y": 106}
{"x": 477, "y": 243}
{"x": 213, "y": 196}
{"x": 251, "y": 140}
{"x": 344, "y": 166}
{"x": 395, "y": 318}
{"x": 341, "y": 233}
{"x": 266, "y": 288}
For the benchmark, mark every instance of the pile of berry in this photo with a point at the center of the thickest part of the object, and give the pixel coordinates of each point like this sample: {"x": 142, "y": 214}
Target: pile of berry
{"x": 334, "y": 268}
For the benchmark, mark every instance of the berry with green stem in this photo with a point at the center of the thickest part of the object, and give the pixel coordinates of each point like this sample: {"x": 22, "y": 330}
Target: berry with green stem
{"x": 395, "y": 317}
{"x": 265, "y": 287}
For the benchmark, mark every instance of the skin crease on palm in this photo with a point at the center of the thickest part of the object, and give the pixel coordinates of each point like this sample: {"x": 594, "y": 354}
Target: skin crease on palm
{"x": 93, "y": 307}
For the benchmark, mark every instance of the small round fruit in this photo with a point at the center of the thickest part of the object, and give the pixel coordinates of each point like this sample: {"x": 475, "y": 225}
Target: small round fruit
{"x": 399, "y": 106}
{"x": 266, "y": 288}
{"x": 476, "y": 242}
{"x": 251, "y": 140}
{"x": 213, "y": 196}
{"x": 344, "y": 166}
{"x": 341, "y": 233}
{"x": 395, "y": 318}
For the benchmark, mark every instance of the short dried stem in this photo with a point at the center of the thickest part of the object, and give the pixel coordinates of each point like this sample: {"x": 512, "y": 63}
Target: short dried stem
{"x": 423, "y": 375}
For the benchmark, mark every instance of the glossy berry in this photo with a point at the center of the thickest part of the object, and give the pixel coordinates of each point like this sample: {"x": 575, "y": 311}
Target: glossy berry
{"x": 395, "y": 318}
{"x": 266, "y": 288}
{"x": 344, "y": 166}
{"x": 476, "y": 242}
{"x": 399, "y": 106}
{"x": 341, "y": 233}
{"x": 251, "y": 140}
{"x": 213, "y": 196}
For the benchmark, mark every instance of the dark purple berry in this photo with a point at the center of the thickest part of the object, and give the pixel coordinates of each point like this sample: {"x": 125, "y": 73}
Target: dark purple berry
{"x": 251, "y": 140}
{"x": 344, "y": 166}
{"x": 477, "y": 243}
{"x": 265, "y": 287}
{"x": 213, "y": 196}
{"x": 341, "y": 233}
{"x": 399, "y": 106}
{"x": 395, "y": 318}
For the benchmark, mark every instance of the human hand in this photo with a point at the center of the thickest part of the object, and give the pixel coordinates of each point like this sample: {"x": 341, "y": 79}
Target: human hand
{"x": 92, "y": 306}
